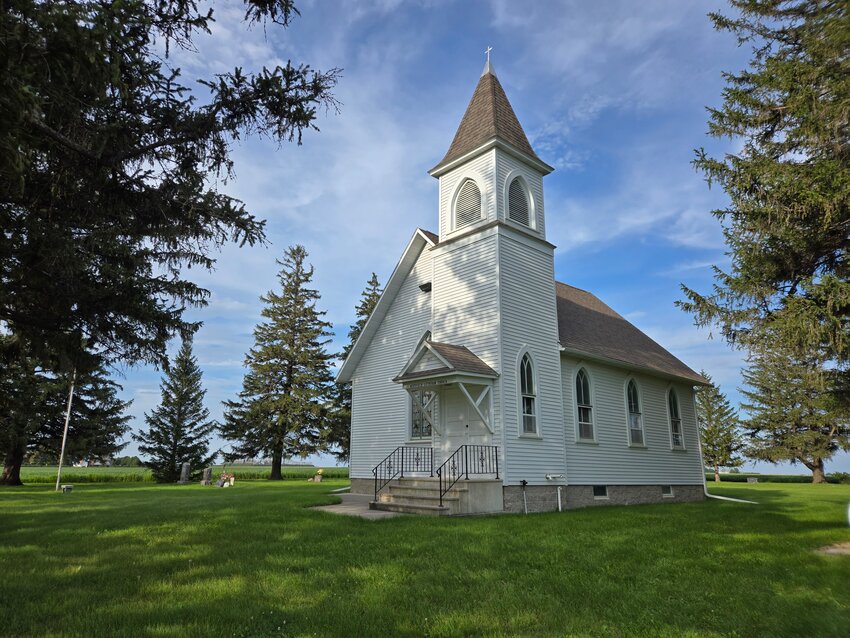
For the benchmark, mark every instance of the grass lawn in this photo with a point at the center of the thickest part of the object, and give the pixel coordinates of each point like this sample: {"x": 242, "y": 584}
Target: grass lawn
{"x": 148, "y": 560}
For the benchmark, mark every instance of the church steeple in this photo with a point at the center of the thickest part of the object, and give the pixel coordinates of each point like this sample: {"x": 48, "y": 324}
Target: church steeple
{"x": 489, "y": 116}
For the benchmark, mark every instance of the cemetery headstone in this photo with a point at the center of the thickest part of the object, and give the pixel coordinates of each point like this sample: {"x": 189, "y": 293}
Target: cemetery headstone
{"x": 184, "y": 474}
{"x": 207, "y": 479}
{"x": 752, "y": 479}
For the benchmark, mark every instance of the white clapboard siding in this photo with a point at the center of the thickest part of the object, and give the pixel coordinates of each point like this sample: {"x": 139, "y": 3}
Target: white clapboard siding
{"x": 610, "y": 461}
{"x": 380, "y": 408}
{"x": 508, "y": 167}
{"x": 480, "y": 169}
{"x": 466, "y": 302}
{"x": 529, "y": 322}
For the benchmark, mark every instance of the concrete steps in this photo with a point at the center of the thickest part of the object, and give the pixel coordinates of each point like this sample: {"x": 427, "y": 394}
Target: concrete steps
{"x": 422, "y": 496}
{"x": 417, "y": 496}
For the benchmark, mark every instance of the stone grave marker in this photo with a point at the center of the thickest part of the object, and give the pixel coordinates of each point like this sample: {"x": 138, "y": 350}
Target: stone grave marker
{"x": 184, "y": 475}
{"x": 207, "y": 480}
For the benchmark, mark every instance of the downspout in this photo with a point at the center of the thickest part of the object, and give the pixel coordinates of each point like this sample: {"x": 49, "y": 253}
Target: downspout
{"x": 702, "y": 470}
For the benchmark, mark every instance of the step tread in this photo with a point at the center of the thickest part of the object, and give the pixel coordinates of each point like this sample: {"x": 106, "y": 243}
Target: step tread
{"x": 436, "y": 497}
{"x": 410, "y": 509}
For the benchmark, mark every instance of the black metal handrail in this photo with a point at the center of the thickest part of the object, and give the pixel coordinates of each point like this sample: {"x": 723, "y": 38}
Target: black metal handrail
{"x": 412, "y": 458}
{"x": 466, "y": 460}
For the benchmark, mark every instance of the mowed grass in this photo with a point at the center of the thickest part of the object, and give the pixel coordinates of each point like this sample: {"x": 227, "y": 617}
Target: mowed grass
{"x": 47, "y": 474}
{"x": 148, "y": 560}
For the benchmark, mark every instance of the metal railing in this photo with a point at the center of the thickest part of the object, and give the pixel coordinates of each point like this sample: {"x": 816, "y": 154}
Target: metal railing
{"x": 411, "y": 459}
{"x": 466, "y": 460}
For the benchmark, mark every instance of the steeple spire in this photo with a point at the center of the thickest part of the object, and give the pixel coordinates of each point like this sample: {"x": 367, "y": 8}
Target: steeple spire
{"x": 487, "y": 68}
{"x": 488, "y": 116}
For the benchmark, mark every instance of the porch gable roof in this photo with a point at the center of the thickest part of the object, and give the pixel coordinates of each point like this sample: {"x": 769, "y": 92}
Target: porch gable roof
{"x": 454, "y": 359}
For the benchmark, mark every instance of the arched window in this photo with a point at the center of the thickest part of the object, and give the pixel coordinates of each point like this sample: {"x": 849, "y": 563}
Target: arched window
{"x": 585, "y": 409}
{"x": 528, "y": 396}
{"x": 635, "y": 419}
{"x": 676, "y": 436}
{"x": 518, "y": 208}
{"x": 468, "y": 204}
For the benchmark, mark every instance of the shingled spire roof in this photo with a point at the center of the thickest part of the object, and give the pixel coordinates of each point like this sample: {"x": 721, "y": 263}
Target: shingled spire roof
{"x": 489, "y": 115}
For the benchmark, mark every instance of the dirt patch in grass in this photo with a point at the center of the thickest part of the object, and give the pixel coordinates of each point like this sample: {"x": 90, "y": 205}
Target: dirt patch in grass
{"x": 838, "y": 548}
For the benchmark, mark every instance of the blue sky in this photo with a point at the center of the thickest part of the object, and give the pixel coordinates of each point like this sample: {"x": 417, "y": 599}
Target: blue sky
{"x": 612, "y": 94}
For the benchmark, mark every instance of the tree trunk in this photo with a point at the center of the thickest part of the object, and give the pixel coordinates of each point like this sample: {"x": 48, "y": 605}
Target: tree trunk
{"x": 12, "y": 466}
{"x": 818, "y": 475}
{"x": 277, "y": 460}
{"x": 716, "y": 473}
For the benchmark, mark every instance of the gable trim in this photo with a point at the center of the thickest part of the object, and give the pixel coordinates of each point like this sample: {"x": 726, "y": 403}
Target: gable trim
{"x": 408, "y": 259}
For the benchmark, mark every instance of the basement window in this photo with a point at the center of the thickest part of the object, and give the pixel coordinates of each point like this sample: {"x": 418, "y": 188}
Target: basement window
{"x": 667, "y": 491}
{"x": 600, "y": 491}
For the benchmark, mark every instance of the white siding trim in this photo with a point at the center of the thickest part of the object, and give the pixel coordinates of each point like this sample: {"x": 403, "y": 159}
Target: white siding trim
{"x": 537, "y": 434}
{"x": 532, "y": 204}
{"x": 631, "y": 378}
{"x": 677, "y": 448}
{"x": 592, "y": 387}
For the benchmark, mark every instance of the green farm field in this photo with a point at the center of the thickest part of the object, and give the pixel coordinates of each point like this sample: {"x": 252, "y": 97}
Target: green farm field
{"x": 47, "y": 474}
{"x": 139, "y": 559}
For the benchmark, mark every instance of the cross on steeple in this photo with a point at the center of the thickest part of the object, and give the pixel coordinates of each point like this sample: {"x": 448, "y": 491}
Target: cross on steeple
{"x": 487, "y": 68}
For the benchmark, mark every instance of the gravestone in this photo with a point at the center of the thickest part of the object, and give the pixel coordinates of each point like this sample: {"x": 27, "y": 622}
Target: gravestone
{"x": 184, "y": 475}
{"x": 752, "y": 479}
{"x": 207, "y": 480}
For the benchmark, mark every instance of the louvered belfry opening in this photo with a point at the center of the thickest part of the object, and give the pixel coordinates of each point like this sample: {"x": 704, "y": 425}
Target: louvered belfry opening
{"x": 518, "y": 202}
{"x": 468, "y": 205}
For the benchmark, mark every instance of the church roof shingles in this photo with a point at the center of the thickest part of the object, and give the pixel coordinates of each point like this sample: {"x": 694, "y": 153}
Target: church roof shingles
{"x": 587, "y": 325}
{"x": 489, "y": 115}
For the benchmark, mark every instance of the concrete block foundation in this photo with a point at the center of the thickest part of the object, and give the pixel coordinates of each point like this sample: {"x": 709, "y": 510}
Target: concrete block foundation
{"x": 544, "y": 498}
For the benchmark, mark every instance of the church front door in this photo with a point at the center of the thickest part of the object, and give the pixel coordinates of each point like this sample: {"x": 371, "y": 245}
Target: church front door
{"x": 461, "y": 424}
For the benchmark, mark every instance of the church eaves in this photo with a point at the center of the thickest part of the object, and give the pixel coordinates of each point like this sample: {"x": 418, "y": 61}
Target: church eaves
{"x": 488, "y": 116}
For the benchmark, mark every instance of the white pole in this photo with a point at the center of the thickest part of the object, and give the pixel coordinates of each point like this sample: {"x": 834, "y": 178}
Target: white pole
{"x": 65, "y": 433}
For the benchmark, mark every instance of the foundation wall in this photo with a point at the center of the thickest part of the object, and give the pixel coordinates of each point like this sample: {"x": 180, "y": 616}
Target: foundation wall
{"x": 544, "y": 498}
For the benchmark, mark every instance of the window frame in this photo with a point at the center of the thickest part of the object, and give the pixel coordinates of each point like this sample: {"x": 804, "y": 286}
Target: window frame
{"x": 532, "y": 205}
{"x": 670, "y": 492}
{"x": 523, "y": 186}
{"x": 524, "y": 356}
{"x": 411, "y": 416}
{"x": 632, "y": 382}
{"x": 671, "y": 392}
{"x": 599, "y": 497}
{"x": 578, "y": 406}
{"x": 460, "y": 185}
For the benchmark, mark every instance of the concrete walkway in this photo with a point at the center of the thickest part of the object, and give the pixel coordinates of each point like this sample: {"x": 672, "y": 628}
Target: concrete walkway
{"x": 356, "y": 505}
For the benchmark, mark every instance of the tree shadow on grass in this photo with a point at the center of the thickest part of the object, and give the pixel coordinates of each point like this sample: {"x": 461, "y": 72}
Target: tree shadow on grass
{"x": 189, "y": 561}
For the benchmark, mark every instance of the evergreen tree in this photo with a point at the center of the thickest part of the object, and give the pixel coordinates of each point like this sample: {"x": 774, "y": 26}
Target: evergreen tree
{"x": 282, "y": 408}
{"x": 179, "y": 429}
{"x": 719, "y": 432}
{"x": 798, "y": 409}
{"x": 339, "y": 431}
{"x": 786, "y": 226}
{"x": 110, "y": 164}
{"x": 33, "y": 404}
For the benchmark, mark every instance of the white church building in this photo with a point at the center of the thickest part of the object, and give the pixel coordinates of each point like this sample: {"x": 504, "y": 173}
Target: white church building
{"x": 481, "y": 384}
